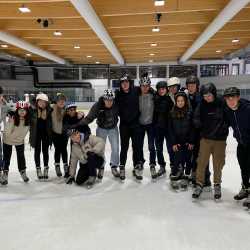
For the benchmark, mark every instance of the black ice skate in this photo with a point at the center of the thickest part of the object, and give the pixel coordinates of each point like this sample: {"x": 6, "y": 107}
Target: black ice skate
{"x": 70, "y": 180}
{"x": 100, "y": 173}
{"x": 184, "y": 182}
{"x": 46, "y": 173}
{"x": 162, "y": 171}
{"x": 24, "y": 176}
{"x": 207, "y": 187}
{"x": 217, "y": 191}
{"x": 66, "y": 170}
{"x": 39, "y": 173}
{"x": 122, "y": 173}
{"x": 138, "y": 172}
{"x": 246, "y": 202}
{"x": 197, "y": 192}
{"x": 115, "y": 172}
{"x": 5, "y": 178}
{"x": 242, "y": 194}
{"x": 153, "y": 172}
{"x": 58, "y": 170}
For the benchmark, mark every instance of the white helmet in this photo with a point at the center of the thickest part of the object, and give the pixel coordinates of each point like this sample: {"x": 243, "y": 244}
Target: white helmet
{"x": 43, "y": 97}
{"x": 174, "y": 81}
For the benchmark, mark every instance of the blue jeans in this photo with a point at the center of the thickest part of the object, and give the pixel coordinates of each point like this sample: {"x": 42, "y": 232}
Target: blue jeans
{"x": 149, "y": 129}
{"x": 160, "y": 135}
{"x": 113, "y": 136}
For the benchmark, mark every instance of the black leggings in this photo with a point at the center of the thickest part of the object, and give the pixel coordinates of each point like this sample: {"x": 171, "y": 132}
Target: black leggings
{"x": 44, "y": 141}
{"x": 89, "y": 169}
{"x": 7, "y": 152}
{"x": 60, "y": 142}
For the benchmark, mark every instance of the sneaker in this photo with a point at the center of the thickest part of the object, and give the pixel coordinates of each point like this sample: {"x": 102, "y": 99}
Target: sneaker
{"x": 24, "y": 176}
{"x": 242, "y": 194}
{"x": 5, "y": 178}
{"x": 122, "y": 173}
{"x": 46, "y": 173}
{"x": 100, "y": 173}
{"x": 153, "y": 172}
{"x": 197, "y": 191}
{"x": 115, "y": 172}
{"x": 39, "y": 173}
{"x": 217, "y": 191}
{"x": 66, "y": 170}
{"x": 58, "y": 170}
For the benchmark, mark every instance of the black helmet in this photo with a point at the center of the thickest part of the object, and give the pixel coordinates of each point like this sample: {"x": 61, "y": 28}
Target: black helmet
{"x": 161, "y": 84}
{"x": 181, "y": 93}
{"x": 192, "y": 79}
{"x": 232, "y": 91}
{"x": 208, "y": 88}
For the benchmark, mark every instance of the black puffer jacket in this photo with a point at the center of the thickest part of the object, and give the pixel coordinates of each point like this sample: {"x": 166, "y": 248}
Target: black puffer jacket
{"x": 107, "y": 118}
{"x": 239, "y": 120}
{"x": 128, "y": 106}
{"x": 210, "y": 119}
{"x": 181, "y": 129}
{"x": 163, "y": 105}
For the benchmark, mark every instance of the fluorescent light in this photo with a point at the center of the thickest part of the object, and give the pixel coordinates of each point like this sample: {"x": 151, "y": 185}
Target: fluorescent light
{"x": 235, "y": 40}
{"x": 28, "y": 54}
{"x": 218, "y": 51}
{"x": 57, "y": 33}
{"x": 151, "y": 54}
{"x": 151, "y": 61}
{"x": 156, "y": 29}
{"x": 77, "y": 47}
{"x": 4, "y": 46}
{"x": 97, "y": 62}
{"x": 89, "y": 56}
{"x": 153, "y": 44}
{"x": 159, "y": 3}
{"x": 24, "y": 9}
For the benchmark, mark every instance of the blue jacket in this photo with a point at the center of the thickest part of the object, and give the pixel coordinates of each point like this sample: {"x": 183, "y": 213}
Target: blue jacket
{"x": 239, "y": 120}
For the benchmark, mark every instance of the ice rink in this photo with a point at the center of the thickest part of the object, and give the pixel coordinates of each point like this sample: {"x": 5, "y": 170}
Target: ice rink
{"x": 129, "y": 216}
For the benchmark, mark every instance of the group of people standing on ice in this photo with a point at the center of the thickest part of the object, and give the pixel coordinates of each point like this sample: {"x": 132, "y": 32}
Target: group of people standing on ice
{"x": 193, "y": 123}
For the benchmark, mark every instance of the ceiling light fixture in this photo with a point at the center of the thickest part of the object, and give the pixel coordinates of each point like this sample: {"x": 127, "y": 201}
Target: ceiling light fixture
{"x": 24, "y": 9}
{"x": 4, "y": 46}
{"x": 151, "y": 61}
{"x": 57, "y": 33}
{"x": 151, "y": 54}
{"x": 89, "y": 56}
{"x": 218, "y": 51}
{"x": 159, "y": 3}
{"x": 97, "y": 62}
{"x": 156, "y": 29}
{"x": 28, "y": 55}
{"x": 153, "y": 44}
{"x": 235, "y": 40}
{"x": 77, "y": 47}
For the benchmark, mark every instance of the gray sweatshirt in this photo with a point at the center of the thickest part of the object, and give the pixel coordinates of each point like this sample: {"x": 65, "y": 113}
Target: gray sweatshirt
{"x": 146, "y": 104}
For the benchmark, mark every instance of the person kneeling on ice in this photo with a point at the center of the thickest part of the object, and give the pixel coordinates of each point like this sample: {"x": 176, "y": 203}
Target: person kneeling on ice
{"x": 14, "y": 134}
{"x": 88, "y": 150}
{"x": 209, "y": 117}
{"x": 238, "y": 116}
{"x": 105, "y": 111}
{"x": 182, "y": 138}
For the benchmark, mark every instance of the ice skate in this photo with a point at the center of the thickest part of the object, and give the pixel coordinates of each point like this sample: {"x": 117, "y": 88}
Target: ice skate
{"x": 184, "y": 183}
{"x": 66, "y": 170}
{"x": 58, "y": 170}
{"x": 162, "y": 171}
{"x": 5, "y": 178}
{"x": 122, "y": 173}
{"x": 90, "y": 182}
{"x": 217, "y": 192}
{"x": 242, "y": 194}
{"x": 197, "y": 192}
{"x": 39, "y": 173}
{"x": 100, "y": 174}
{"x": 46, "y": 173}
{"x": 153, "y": 172}
{"x": 138, "y": 172}
{"x": 115, "y": 172}
{"x": 24, "y": 176}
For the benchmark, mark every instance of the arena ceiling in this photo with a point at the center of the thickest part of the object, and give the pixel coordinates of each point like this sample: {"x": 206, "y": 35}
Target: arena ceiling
{"x": 129, "y": 25}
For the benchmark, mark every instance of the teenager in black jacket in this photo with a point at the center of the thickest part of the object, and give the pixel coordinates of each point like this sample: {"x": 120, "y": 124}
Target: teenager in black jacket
{"x": 163, "y": 105}
{"x": 127, "y": 98}
{"x": 181, "y": 134}
{"x": 210, "y": 118}
{"x": 238, "y": 116}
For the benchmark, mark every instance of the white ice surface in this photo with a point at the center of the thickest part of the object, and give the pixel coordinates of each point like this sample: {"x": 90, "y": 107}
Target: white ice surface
{"x": 131, "y": 216}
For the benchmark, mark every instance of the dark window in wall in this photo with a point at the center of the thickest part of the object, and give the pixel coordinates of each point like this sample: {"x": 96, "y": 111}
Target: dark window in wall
{"x": 182, "y": 71}
{"x": 208, "y": 70}
{"x": 95, "y": 72}
{"x": 117, "y": 72}
{"x": 153, "y": 71}
{"x": 7, "y": 72}
{"x": 66, "y": 74}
